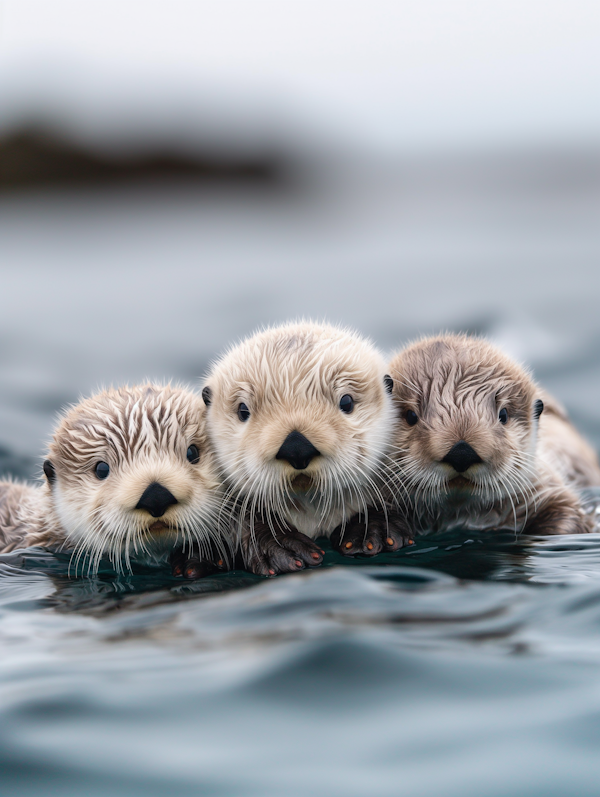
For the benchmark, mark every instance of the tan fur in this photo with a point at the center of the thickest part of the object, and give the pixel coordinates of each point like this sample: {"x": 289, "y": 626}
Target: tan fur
{"x": 18, "y": 506}
{"x": 143, "y": 434}
{"x": 292, "y": 378}
{"x": 564, "y": 449}
{"x": 531, "y": 469}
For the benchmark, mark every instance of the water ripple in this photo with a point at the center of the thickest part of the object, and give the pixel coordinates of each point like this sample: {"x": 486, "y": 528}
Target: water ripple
{"x": 478, "y": 655}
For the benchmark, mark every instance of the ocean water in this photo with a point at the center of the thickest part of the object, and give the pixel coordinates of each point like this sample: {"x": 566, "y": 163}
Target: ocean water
{"x": 465, "y": 664}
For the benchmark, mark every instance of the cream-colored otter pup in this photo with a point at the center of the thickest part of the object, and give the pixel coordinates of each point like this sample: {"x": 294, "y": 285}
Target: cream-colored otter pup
{"x": 479, "y": 445}
{"x": 300, "y": 418}
{"x": 129, "y": 475}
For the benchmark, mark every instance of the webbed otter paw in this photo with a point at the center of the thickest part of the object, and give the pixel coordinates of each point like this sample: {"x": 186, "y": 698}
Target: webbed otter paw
{"x": 284, "y": 552}
{"x": 188, "y": 564}
{"x": 382, "y": 534}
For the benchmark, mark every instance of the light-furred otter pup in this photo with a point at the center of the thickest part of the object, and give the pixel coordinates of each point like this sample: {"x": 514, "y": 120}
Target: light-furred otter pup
{"x": 300, "y": 418}
{"x": 479, "y": 445}
{"x": 129, "y": 475}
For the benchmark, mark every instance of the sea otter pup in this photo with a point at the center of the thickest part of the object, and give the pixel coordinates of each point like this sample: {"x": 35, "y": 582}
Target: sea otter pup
{"x": 300, "y": 417}
{"x": 479, "y": 445}
{"x": 129, "y": 474}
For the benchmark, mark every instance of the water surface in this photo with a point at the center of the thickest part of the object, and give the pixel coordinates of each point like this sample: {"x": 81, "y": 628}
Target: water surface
{"x": 460, "y": 665}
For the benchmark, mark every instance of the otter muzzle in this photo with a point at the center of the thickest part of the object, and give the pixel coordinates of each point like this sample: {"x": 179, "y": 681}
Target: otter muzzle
{"x": 297, "y": 450}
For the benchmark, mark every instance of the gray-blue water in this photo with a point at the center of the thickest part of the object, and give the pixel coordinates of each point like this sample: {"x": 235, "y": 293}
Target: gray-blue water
{"x": 465, "y": 665}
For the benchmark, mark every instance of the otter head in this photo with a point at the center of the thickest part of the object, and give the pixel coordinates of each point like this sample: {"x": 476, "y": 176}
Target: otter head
{"x": 130, "y": 474}
{"x": 466, "y": 422}
{"x": 299, "y": 415}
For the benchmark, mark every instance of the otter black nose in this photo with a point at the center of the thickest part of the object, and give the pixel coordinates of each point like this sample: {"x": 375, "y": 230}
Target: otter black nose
{"x": 156, "y": 499}
{"x": 297, "y": 450}
{"x": 462, "y": 456}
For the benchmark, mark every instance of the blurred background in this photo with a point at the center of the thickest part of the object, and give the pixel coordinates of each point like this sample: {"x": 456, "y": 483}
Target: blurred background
{"x": 174, "y": 175}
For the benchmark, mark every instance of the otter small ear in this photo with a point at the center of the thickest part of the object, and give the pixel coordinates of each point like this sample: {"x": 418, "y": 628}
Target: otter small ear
{"x": 207, "y": 396}
{"x": 388, "y": 382}
{"x": 49, "y": 471}
{"x": 538, "y": 408}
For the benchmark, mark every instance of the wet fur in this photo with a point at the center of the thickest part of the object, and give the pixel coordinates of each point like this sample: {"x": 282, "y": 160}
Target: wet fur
{"x": 143, "y": 433}
{"x": 532, "y": 468}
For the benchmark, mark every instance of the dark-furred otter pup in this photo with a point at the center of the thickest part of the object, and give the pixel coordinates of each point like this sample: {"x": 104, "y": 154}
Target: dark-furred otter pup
{"x": 479, "y": 445}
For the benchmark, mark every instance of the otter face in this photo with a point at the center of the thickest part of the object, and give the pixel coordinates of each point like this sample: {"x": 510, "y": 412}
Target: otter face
{"x": 130, "y": 474}
{"x": 300, "y": 418}
{"x": 466, "y": 423}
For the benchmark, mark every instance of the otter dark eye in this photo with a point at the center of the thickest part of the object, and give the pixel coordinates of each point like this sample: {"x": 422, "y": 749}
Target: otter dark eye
{"x": 243, "y": 412}
{"x": 347, "y": 404}
{"x": 193, "y": 455}
{"x": 503, "y": 415}
{"x": 102, "y": 470}
{"x": 411, "y": 417}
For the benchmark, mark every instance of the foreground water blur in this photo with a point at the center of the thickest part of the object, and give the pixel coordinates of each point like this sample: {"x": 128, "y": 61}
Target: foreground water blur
{"x": 387, "y": 678}
{"x": 463, "y": 665}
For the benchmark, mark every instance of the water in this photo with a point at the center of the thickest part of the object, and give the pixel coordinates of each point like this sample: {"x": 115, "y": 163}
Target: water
{"x": 466, "y": 664}
{"x": 388, "y": 678}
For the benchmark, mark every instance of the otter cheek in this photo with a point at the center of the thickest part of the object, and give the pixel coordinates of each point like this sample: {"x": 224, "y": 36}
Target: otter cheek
{"x": 424, "y": 447}
{"x": 76, "y": 506}
{"x": 510, "y": 449}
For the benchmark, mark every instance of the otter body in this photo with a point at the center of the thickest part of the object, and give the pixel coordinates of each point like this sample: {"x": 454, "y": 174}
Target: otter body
{"x": 20, "y": 505}
{"x": 478, "y": 444}
{"x": 129, "y": 475}
{"x": 300, "y": 419}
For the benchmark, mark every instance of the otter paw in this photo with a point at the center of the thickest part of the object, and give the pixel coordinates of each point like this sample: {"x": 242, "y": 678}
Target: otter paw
{"x": 188, "y": 565}
{"x": 287, "y": 552}
{"x": 381, "y": 535}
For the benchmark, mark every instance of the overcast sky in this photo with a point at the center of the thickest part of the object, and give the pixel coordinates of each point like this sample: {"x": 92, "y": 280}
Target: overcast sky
{"x": 392, "y": 74}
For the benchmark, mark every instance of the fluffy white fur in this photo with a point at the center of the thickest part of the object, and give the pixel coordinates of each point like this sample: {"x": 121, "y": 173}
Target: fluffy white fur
{"x": 292, "y": 377}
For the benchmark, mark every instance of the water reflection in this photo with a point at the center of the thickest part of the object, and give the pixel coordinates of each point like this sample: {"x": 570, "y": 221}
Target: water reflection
{"x": 344, "y": 679}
